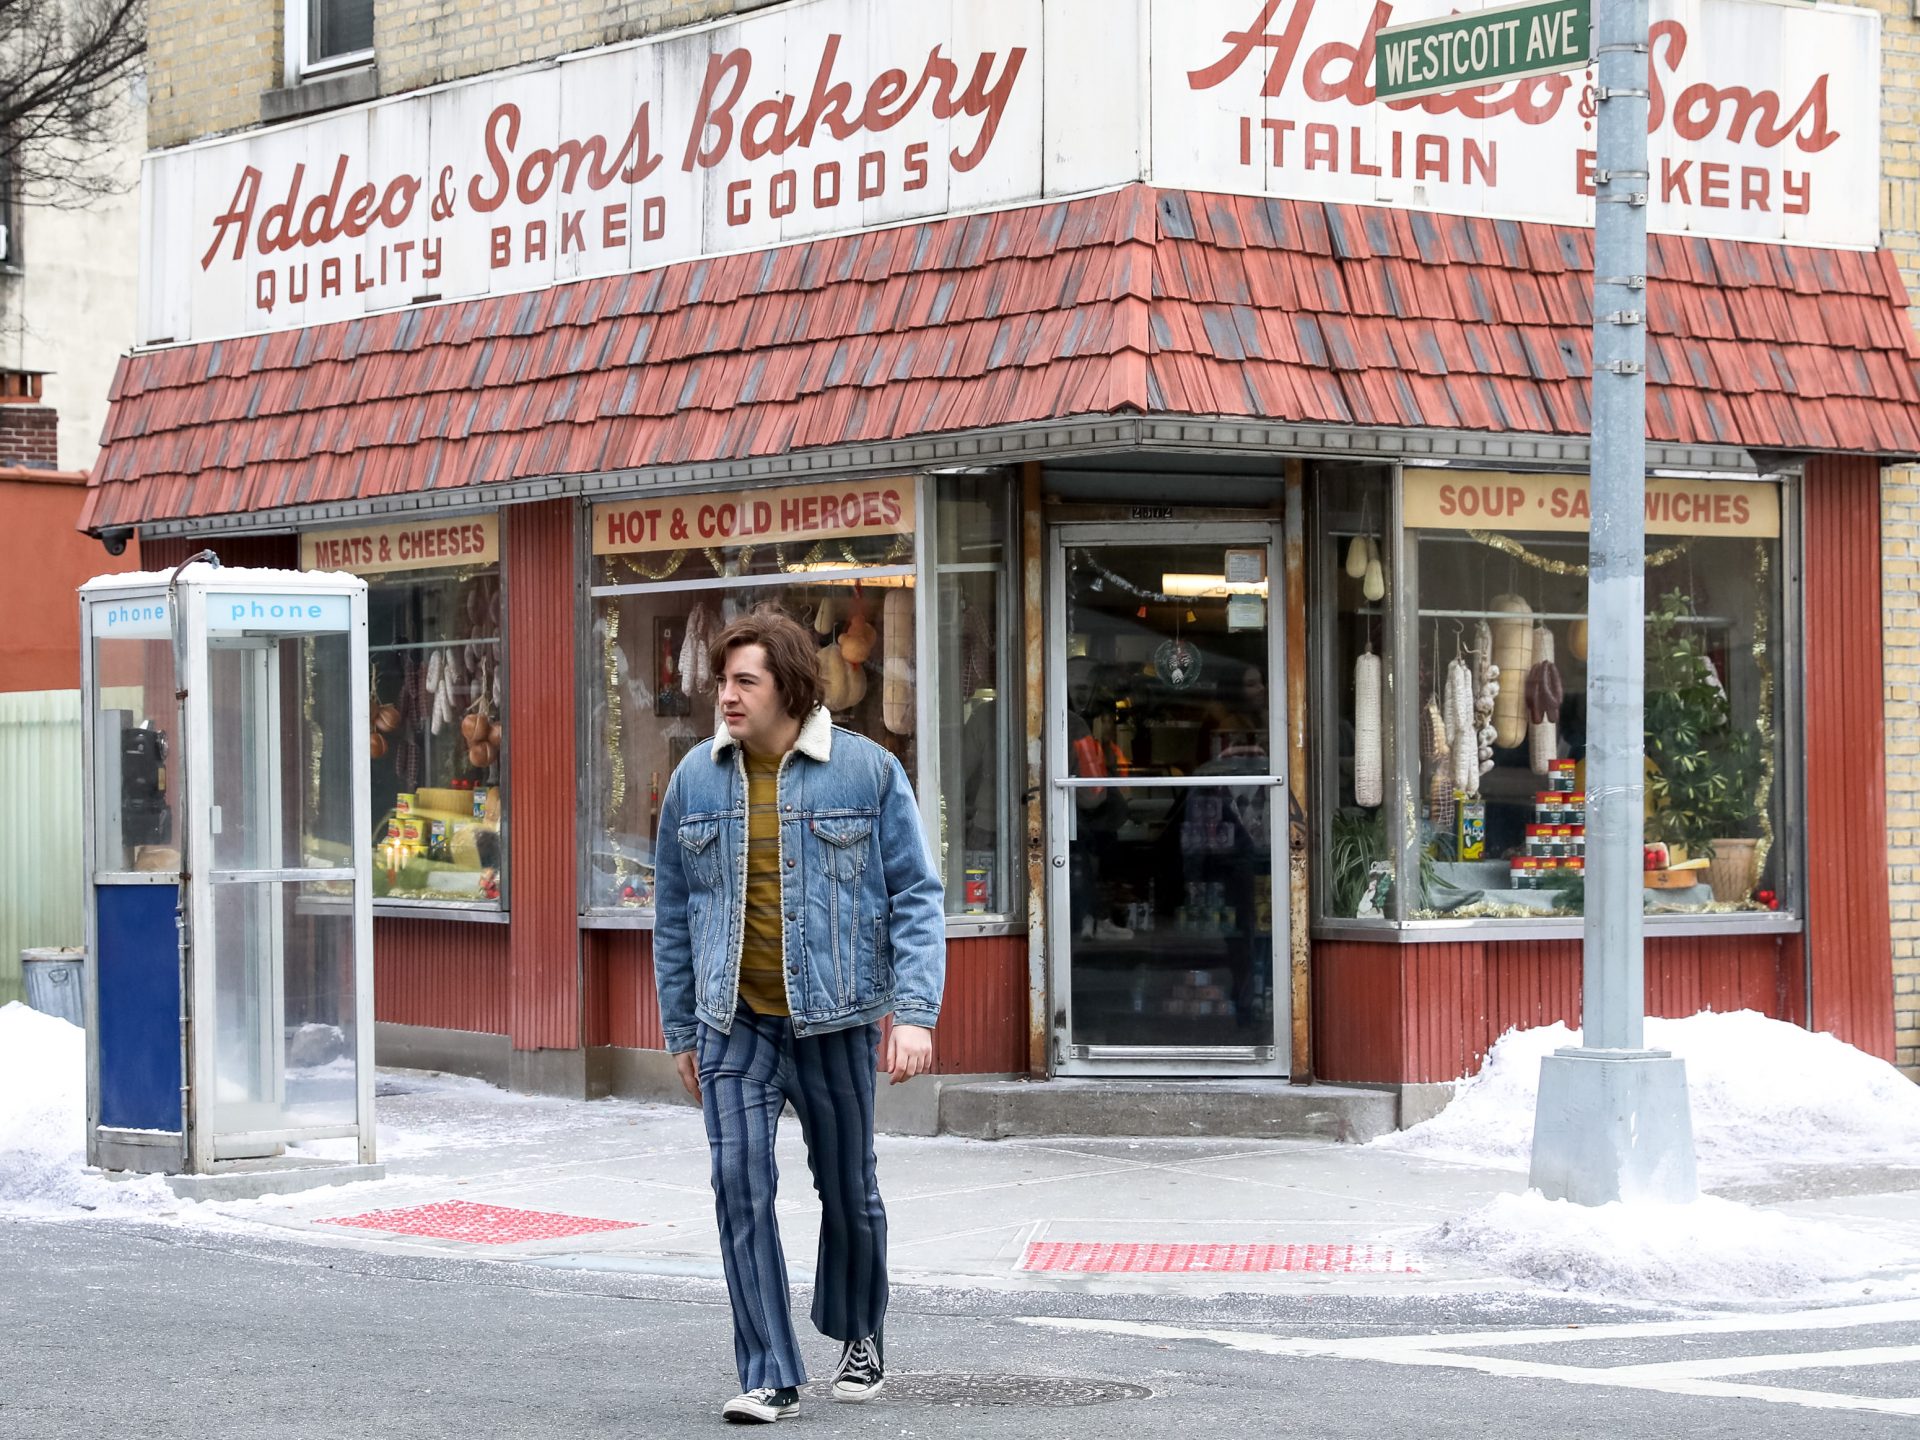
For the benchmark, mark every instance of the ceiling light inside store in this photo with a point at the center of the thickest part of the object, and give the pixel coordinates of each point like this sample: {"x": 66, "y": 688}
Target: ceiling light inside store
{"x": 1210, "y": 586}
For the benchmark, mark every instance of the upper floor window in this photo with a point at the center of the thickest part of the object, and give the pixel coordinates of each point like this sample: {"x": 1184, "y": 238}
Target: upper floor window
{"x": 324, "y": 35}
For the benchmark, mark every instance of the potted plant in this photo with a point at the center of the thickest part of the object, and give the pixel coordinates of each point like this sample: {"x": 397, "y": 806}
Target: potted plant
{"x": 1704, "y": 770}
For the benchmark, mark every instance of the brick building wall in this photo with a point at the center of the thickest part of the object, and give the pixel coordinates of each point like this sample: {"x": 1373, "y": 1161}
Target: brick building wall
{"x": 1900, "y": 535}
{"x": 210, "y": 63}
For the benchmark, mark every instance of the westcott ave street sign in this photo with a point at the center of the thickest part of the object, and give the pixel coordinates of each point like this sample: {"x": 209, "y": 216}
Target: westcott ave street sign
{"x": 1458, "y": 52}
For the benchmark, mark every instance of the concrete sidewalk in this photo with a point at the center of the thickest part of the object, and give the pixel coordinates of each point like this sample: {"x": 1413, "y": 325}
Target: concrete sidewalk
{"x": 1032, "y": 1214}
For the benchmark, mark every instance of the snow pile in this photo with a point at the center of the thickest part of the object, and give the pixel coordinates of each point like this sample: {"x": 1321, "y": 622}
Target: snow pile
{"x": 1763, "y": 1093}
{"x": 43, "y": 1116}
{"x": 1711, "y": 1250}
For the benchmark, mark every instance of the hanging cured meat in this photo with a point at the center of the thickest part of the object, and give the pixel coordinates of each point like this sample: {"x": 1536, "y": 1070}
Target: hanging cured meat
{"x": 1544, "y": 695}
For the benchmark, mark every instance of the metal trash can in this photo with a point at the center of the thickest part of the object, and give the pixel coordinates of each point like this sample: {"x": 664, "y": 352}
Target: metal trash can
{"x": 56, "y": 983}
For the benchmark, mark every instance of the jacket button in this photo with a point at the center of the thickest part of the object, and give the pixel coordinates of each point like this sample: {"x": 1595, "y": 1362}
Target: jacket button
{"x": 791, "y": 864}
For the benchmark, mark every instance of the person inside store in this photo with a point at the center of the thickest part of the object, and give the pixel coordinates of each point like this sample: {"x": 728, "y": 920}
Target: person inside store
{"x": 780, "y": 840}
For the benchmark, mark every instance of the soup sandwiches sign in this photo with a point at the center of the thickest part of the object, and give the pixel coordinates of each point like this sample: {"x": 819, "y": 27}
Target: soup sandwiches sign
{"x": 832, "y": 116}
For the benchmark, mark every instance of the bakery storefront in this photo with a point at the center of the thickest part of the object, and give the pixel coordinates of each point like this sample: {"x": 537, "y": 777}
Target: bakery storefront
{"x": 1184, "y": 477}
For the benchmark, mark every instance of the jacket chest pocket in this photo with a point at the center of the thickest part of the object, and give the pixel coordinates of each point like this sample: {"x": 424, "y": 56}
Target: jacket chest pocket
{"x": 842, "y": 843}
{"x": 700, "y": 851}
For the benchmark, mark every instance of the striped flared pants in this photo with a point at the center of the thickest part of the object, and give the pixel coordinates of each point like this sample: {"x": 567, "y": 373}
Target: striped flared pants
{"x": 746, "y": 1076}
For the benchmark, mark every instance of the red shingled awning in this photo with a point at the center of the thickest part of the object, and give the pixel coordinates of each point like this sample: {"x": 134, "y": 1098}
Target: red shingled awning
{"x": 1140, "y": 301}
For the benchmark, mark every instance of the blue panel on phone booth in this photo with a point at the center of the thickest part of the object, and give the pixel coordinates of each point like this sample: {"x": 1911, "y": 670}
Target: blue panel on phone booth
{"x": 138, "y": 976}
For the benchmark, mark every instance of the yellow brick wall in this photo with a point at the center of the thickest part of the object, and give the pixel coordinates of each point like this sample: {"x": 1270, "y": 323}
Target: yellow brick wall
{"x": 208, "y": 63}
{"x": 211, "y": 60}
{"x": 1899, "y": 551}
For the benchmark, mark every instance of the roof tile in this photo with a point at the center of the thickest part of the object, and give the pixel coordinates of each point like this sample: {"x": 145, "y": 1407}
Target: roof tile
{"x": 1137, "y": 300}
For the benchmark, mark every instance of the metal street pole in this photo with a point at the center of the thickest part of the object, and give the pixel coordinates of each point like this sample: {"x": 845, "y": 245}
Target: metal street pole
{"x": 1613, "y": 1121}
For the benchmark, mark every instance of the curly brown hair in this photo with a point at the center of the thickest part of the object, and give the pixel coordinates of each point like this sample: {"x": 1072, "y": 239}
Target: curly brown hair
{"x": 789, "y": 648}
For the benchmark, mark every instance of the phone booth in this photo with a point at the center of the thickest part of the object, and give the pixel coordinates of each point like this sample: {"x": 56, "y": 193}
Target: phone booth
{"x": 228, "y": 850}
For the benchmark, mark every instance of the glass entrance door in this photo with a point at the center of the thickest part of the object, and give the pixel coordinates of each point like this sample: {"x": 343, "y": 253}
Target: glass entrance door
{"x": 1168, "y": 804}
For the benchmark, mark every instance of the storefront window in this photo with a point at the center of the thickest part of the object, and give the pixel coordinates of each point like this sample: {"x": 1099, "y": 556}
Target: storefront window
{"x": 1354, "y": 722}
{"x": 436, "y": 730}
{"x": 670, "y": 573}
{"x": 973, "y": 671}
{"x": 1493, "y": 752}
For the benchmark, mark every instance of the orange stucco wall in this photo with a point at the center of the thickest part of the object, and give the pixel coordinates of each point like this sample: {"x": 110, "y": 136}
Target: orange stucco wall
{"x": 43, "y": 558}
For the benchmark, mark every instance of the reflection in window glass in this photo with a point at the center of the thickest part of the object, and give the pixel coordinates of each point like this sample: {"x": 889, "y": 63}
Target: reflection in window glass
{"x": 338, "y": 27}
{"x": 271, "y": 702}
{"x": 974, "y": 673}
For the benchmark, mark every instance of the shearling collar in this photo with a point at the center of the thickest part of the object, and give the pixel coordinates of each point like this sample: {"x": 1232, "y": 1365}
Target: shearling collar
{"x": 815, "y": 742}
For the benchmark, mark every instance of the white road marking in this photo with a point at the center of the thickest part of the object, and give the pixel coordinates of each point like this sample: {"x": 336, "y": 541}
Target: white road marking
{"x": 1675, "y": 1378}
{"x": 1756, "y": 1364}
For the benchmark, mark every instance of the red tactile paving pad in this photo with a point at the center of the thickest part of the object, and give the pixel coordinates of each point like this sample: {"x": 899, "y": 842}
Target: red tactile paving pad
{"x": 478, "y": 1224}
{"x": 1083, "y": 1258}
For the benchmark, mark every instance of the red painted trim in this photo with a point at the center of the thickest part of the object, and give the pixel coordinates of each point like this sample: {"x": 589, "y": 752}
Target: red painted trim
{"x": 1848, "y": 903}
{"x": 543, "y": 778}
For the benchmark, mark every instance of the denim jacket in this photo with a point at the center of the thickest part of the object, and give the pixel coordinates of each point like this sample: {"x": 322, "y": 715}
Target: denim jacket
{"x": 865, "y": 930}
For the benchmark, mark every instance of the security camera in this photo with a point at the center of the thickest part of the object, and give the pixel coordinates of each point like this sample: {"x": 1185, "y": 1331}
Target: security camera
{"x": 115, "y": 538}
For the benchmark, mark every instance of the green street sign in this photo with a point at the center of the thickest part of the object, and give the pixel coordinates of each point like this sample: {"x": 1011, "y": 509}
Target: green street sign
{"x": 1458, "y": 52}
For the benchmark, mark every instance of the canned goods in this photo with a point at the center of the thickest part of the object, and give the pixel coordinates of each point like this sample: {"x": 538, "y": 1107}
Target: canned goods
{"x": 974, "y": 892}
{"x": 403, "y": 803}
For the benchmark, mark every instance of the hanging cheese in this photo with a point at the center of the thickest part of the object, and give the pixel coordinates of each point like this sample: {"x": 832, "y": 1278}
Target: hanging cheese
{"x": 1513, "y": 653}
{"x": 1374, "y": 587}
{"x": 1366, "y": 730}
{"x": 896, "y": 676}
{"x": 1577, "y": 639}
{"x": 1356, "y": 557}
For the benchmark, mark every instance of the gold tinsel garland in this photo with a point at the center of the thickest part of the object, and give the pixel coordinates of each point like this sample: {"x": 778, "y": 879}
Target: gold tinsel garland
{"x": 717, "y": 558}
{"x": 315, "y": 736}
{"x": 1763, "y": 722}
{"x": 1507, "y": 545}
{"x": 616, "y": 754}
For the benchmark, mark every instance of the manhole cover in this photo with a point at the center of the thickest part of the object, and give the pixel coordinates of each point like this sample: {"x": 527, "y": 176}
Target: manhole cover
{"x": 1046, "y": 1392}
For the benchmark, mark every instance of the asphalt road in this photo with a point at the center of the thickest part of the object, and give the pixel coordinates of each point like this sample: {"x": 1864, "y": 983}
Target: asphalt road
{"x": 118, "y": 1329}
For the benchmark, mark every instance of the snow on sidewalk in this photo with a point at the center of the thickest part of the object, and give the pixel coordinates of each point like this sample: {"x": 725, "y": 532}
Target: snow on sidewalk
{"x": 1764, "y": 1095}
{"x": 43, "y": 1117}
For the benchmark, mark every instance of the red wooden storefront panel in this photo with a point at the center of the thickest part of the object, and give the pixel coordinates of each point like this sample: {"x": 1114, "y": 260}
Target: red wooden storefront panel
{"x": 442, "y": 973}
{"x": 1418, "y": 1013}
{"x": 543, "y": 780}
{"x": 982, "y": 1022}
{"x": 1847, "y": 896}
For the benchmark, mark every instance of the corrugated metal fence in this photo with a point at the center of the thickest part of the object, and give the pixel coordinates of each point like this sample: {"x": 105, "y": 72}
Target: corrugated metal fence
{"x": 40, "y": 856}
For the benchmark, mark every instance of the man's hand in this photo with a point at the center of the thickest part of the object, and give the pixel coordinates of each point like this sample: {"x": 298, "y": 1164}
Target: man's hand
{"x": 689, "y": 1069}
{"x": 908, "y": 1052}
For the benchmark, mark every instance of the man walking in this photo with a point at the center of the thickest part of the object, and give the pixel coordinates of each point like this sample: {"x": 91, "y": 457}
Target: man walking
{"x": 796, "y": 906}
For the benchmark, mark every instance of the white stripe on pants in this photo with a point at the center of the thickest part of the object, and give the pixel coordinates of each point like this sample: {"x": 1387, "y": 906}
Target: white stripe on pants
{"x": 746, "y": 1076}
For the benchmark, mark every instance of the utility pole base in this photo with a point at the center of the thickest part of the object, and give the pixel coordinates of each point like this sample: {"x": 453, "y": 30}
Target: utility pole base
{"x": 1613, "y": 1125}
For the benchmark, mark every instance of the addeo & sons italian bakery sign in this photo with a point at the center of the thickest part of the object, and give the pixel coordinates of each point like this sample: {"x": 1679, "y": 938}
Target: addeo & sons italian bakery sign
{"x": 831, "y": 116}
